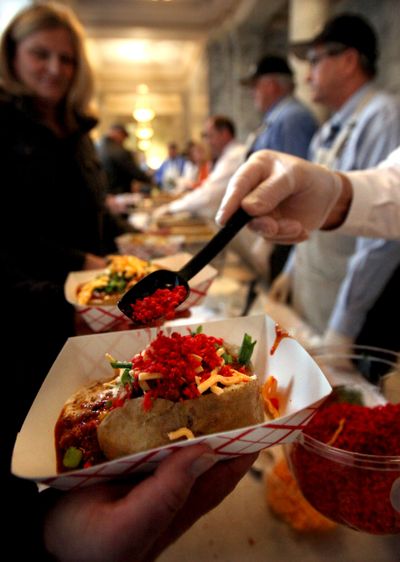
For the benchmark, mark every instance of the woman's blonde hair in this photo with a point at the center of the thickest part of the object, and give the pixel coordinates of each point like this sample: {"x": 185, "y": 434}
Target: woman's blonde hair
{"x": 40, "y": 16}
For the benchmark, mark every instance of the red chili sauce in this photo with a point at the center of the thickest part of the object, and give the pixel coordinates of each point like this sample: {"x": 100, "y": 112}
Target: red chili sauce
{"x": 280, "y": 333}
{"x": 161, "y": 304}
{"x": 80, "y": 430}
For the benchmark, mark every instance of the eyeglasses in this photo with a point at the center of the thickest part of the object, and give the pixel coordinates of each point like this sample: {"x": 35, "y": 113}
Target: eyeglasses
{"x": 314, "y": 58}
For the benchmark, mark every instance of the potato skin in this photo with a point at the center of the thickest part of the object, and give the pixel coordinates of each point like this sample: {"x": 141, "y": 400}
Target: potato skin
{"x": 130, "y": 429}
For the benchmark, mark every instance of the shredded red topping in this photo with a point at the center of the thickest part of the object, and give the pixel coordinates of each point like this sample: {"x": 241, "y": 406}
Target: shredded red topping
{"x": 178, "y": 359}
{"x": 352, "y": 495}
{"x": 161, "y": 304}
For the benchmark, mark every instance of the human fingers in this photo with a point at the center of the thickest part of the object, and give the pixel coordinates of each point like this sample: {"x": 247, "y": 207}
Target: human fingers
{"x": 208, "y": 492}
{"x": 259, "y": 185}
{"x": 158, "y": 498}
{"x": 246, "y": 178}
{"x": 280, "y": 231}
{"x": 117, "y": 522}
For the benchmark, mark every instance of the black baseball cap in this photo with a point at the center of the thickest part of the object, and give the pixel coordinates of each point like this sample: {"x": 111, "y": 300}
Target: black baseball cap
{"x": 349, "y": 30}
{"x": 267, "y": 65}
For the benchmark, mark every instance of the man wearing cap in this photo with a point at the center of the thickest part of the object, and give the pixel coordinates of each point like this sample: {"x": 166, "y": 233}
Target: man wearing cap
{"x": 330, "y": 292}
{"x": 288, "y": 125}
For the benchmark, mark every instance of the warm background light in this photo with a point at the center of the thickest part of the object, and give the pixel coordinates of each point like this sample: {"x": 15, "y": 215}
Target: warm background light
{"x": 143, "y": 114}
{"x": 144, "y": 133}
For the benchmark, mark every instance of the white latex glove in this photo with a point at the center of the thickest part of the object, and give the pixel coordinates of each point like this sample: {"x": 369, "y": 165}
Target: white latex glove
{"x": 280, "y": 288}
{"x": 290, "y": 196}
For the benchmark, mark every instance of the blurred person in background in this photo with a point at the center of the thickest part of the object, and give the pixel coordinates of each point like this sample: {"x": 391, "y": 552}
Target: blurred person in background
{"x": 171, "y": 169}
{"x": 227, "y": 154}
{"x": 119, "y": 163}
{"x": 197, "y": 167}
{"x": 287, "y": 125}
{"x": 332, "y": 294}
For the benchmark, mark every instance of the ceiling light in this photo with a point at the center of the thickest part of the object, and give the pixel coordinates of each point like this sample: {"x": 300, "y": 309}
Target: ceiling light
{"x": 144, "y": 133}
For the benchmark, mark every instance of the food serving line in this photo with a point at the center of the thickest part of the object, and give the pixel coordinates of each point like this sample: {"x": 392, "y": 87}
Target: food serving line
{"x": 243, "y": 526}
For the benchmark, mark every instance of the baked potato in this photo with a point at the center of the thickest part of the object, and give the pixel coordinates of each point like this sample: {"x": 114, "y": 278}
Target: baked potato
{"x": 180, "y": 386}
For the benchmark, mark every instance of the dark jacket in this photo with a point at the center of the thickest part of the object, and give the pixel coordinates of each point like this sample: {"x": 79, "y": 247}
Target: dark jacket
{"x": 51, "y": 214}
{"x": 52, "y": 195}
{"x": 120, "y": 166}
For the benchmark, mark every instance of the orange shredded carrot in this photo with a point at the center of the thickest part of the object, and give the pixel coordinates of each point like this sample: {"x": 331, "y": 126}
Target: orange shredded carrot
{"x": 337, "y": 432}
{"x": 288, "y": 503}
{"x": 269, "y": 392}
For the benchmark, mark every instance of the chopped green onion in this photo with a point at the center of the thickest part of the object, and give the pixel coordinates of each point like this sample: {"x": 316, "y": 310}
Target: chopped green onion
{"x": 126, "y": 378}
{"x": 121, "y": 364}
{"x": 246, "y": 350}
{"x": 227, "y": 358}
{"x": 72, "y": 457}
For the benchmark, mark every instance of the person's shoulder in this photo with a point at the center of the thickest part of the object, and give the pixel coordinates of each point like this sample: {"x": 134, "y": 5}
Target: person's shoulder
{"x": 299, "y": 112}
{"x": 383, "y": 104}
{"x": 296, "y": 106}
{"x": 235, "y": 150}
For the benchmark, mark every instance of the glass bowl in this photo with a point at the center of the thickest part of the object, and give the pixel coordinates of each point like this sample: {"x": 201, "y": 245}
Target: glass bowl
{"x": 352, "y": 488}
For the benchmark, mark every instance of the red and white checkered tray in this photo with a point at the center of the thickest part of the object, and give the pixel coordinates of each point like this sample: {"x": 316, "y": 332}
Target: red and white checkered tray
{"x": 106, "y": 318}
{"x": 301, "y": 382}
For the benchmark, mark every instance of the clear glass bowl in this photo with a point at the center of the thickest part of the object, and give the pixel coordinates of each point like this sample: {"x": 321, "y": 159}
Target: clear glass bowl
{"x": 351, "y": 488}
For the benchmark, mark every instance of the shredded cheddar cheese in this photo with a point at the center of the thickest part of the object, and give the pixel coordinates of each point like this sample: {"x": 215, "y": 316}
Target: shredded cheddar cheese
{"x": 86, "y": 291}
{"x": 181, "y": 432}
{"x": 288, "y": 503}
{"x": 130, "y": 268}
{"x": 227, "y": 381}
{"x": 149, "y": 376}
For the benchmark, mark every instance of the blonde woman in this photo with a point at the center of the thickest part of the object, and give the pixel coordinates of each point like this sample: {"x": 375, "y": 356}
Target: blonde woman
{"x": 52, "y": 222}
{"x": 53, "y": 219}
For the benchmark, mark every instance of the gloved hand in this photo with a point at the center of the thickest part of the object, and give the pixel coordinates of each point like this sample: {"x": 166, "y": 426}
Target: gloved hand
{"x": 281, "y": 287}
{"x": 288, "y": 195}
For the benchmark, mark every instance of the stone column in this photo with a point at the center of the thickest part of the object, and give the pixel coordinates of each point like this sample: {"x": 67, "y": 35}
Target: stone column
{"x": 306, "y": 18}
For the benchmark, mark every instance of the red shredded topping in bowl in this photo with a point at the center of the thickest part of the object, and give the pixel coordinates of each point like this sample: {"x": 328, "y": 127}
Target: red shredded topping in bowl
{"x": 177, "y": 359}
{"x": 357, "y": 493}
{"x": 161, "y": 304}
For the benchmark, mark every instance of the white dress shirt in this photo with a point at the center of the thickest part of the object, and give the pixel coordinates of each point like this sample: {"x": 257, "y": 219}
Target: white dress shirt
{"x": 375, "y": 209}
{"x": 206, "y": 199}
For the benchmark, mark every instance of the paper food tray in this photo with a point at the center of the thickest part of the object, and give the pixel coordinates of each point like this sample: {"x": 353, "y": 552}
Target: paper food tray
{"x": 82, "y": 361}
{"x": 149, "y": 246}
{"x": 109, "y": 317}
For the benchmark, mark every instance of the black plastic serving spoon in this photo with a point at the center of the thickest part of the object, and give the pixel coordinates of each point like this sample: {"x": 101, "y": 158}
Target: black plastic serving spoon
{"x": 166, "y": 279}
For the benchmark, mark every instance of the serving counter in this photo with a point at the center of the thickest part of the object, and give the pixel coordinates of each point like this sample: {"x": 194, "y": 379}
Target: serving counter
{"x": 242, "y": 529}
